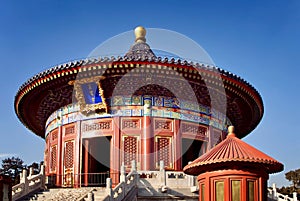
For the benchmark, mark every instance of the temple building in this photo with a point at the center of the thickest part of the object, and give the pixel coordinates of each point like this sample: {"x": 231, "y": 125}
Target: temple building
{"x": 96, "y": 114}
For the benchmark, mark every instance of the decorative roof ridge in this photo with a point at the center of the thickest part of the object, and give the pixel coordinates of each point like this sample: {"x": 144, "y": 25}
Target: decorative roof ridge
{"x": 162, "y": 60}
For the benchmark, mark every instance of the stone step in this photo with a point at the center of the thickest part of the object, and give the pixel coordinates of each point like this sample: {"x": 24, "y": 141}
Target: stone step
{"x": 144, "y": 192}
{"x": 150, "y": 193}
{"x": 66, "y": 194}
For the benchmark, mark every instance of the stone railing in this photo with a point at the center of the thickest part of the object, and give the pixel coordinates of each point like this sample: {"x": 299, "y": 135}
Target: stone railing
{"x": 164, "y": 179}
{"x": 28, "y": 184}
{"x": 125, "y": 187}
{"x": 273, "y": 195}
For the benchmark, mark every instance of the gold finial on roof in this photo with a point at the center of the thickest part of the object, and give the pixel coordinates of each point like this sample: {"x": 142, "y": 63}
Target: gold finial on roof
{"x": 140, "y": 33}
{"x": 231, "y": 131}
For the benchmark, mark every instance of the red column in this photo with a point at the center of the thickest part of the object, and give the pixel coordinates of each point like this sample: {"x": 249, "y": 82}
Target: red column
{"x": 49, "y": 154}
{"x": 147, "y": 145}
{"x": 207, "y": 189}
{"x": 262, "y": 188}
{"x": 47, "y": 157}
{"x": 59, "y": 163}
{"x": 177, "y": 143}
{"x": 115, "y": 151}
{"x": 86, "y": 161}
{"x": 77, "y": 156}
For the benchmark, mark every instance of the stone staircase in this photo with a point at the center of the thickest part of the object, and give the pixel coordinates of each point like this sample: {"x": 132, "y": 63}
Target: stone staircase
{"x": 136, "y": 185}
{"x": 41, "y": 195}
{"x": 67, "y": 194}
{"x": 145, "y": 194}
{"x": 148, "y": 191}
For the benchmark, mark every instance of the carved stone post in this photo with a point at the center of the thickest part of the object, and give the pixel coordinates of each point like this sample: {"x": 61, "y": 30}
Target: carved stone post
{"x": 133, "y": 165}
{"x": 31, "y": 172}
{"x": 134, "y": 170}
{"x": 108, "y": 188}
{"x": 162, "y": 171}
{"x": 43, "y": 176}
{"x": 23, "y": 176}
{"x": 24, "y": 180}
{"x": 274, "y": 191}
{"x": 123, "y": 173}
{"x": 295, "y": 196}
{"x": 42, "y": 170}
{"x": 90, "y": 196}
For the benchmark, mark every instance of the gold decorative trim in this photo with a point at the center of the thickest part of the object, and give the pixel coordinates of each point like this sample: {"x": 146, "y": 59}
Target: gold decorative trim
{"x": 88, "y": 108}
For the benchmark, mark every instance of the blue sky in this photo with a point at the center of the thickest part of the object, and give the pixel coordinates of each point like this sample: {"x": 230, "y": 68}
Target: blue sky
{"x": 257, "y": 40}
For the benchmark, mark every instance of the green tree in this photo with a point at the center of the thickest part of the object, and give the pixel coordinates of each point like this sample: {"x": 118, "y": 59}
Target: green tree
{"x": 36, "y": 167}
{"x": 293, "y": 176}
{"x": 12, "y": 167}
{"x": 285, "y": 190}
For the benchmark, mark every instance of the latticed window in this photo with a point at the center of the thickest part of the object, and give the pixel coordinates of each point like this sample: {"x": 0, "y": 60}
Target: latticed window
{"x": 54, "y": 135}
{"x": 219, "y": 191}
{"x": 70, "y": 130}
{"x": 131, "y": 124}
{"x": 130, "y": 149}
{"x": 202, "y": 192}
{"x": 69, "y": 155}
{"x": 197, "y": 130}
{"x": 53, "y": 158}
{"x": 163, "y": 125}
{"x": 236, "y": 190}
{"x": 164, "y": 150}
{"x": 106, "y": 125}
{"x": 250, "y": 190}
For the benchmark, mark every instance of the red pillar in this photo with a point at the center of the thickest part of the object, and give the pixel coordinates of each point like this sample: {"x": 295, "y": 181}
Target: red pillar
{"x": 263, "y": 188}
{"x": 86, "y": 161}
{"x": 59, "y": 163}
{"x": 47, "y": 155}
{"x": 77, "y": 157}
{"x": 115, "y": 151}
{"x": 147, "y": 145}
{"x": 177, "y": 143}
{"x": 206, "y": 189}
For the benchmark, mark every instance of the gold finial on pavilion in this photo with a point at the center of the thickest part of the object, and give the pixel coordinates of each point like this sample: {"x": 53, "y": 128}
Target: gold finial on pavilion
{"x": 140, "y": 33}
{"x": 231, "y": 131}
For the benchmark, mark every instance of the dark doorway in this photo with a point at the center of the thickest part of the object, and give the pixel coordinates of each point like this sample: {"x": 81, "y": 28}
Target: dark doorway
{"x": 190, "y": 150}
{"x": 95, "y": 160}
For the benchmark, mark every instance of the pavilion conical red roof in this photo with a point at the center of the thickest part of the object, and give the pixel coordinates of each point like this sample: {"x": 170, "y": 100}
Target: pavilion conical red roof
{"x": 232, "y": 152}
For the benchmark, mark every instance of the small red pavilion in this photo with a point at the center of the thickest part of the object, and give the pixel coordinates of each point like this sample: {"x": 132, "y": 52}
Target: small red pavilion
{"x": 233, "y": 170}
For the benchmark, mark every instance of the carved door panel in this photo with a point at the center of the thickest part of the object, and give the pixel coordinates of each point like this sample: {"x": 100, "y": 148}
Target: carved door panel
{"x": 68, "y": 163}
{"x": 164, "y": 151}
{"x": 130, "y": 149}
{"x": 53, "y": 159}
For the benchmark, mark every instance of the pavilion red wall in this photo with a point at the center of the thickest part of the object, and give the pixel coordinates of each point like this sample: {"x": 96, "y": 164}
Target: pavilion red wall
{"x": 207, "y": 184}
{"x": 156, "y": 139}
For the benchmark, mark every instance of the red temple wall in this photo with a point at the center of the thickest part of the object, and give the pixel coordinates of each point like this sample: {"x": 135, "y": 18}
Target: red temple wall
{"x": 144, "y": 139}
